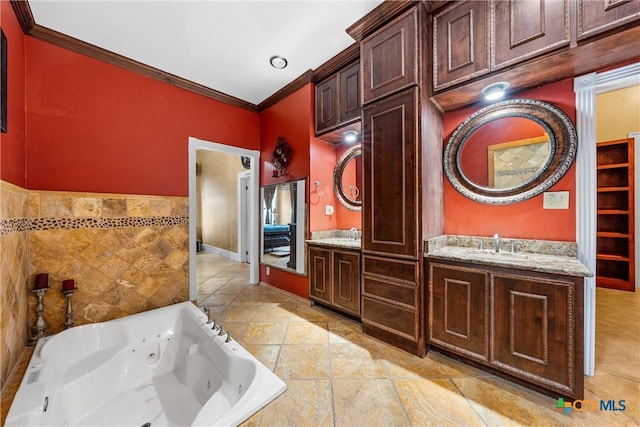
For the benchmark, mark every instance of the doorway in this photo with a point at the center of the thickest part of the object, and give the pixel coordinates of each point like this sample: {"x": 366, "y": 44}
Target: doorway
{"x": 586, "y": 88}
{"x": 196, "y": 144}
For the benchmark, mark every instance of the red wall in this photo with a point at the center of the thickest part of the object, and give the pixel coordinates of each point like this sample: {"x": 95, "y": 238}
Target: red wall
{"x": 524, "y": 220}
{"x": 323, "y": 155}
{"x": 292, "y": 119}
{"x": 12, "y": 143}
{"x": 95, "y": 127}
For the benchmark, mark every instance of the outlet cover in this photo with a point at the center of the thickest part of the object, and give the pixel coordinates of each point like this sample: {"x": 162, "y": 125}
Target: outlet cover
{"x": 556, "y": 200}
{"x": 328, "y": 210}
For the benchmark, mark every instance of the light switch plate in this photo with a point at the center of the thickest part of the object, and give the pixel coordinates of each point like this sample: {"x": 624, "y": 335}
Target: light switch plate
{"x": 556, "y": 200}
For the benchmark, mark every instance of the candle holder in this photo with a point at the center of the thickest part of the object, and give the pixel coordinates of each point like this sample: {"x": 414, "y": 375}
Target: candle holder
{"x": 38, "y": 328}
{"x": 68, "y": 294}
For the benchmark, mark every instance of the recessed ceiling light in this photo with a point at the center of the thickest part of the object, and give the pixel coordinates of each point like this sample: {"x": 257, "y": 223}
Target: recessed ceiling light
{"x": 278, "y": 62}
{"x": 350, "y": 136}
{"x": 495, "y": 91}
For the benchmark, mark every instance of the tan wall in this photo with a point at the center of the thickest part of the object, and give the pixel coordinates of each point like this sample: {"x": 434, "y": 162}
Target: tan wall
{"x": 126, "y": 253}
{"x": 617, "y": 114}
{"x": 218, "y": 198}
{"x": 13, "y": 276}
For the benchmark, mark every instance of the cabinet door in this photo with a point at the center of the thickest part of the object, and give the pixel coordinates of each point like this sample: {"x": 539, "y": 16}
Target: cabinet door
{"x": 327, "y": 104}
{"x": 349, "y": 93}
{"x": 320, "y": 274}
{"x": 596, "y": 16}
{"x": 460, "y": 43}
{"x": 390, "y": 162}
{"x": 533, "y": 335}
{"x": 524, "y": 29}
{"x": 346, "y": 281}
{"x": 390, "y": 57}
{"x": 459, "y": 310}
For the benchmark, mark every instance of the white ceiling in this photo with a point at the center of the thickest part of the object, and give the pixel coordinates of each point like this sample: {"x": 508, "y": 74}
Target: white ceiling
{"x": 222, "y": 44}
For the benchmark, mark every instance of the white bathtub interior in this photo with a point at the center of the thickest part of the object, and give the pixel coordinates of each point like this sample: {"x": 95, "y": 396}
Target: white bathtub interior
{"x": 165, "y": 367}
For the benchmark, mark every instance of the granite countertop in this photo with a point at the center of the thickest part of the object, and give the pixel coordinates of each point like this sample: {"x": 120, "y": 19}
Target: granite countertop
{"x": 543, "y": 256}
{"x": 335, "y": 239}
{"x": 340, "y": 242}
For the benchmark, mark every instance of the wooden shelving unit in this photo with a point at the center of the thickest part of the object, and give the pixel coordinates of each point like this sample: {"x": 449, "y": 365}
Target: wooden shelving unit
{"x": 615, "y": 234}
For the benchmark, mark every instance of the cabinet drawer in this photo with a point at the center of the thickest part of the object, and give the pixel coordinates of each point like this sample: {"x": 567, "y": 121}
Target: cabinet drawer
{"x": 405, "y": 271}
{"x": 388, "y": 290}
{"x": 398, "y": 320}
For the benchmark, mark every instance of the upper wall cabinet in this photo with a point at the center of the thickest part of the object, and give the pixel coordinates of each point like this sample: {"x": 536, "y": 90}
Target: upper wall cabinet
{"x": 523, "y": 29}
{"x": 338, "y": 99}
{"x": 460, "y": 43}
{"x": 389, "y": 58}
{"x": 597, "y": 16}
{"x": 473, "y": 38}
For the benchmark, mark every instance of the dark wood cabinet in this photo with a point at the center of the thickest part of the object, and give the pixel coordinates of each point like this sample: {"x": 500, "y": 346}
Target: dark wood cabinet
{"x": 460, "y": 43}
{"x": 392, "y": 301}
{"x": 522, "y": 323}
{"x": 597, "y": 16}
{"x": 337, "y": 99}
{"x": 320, "y": 274}
{"x": 390, "y": 58}
{"x": 402, "y": 178}
{"x": 535, "y": 334}
{"x": 459, "y": 310}
{"x": 334, "y": 278}
{"x": 551, "y": 38}
{"x": 524, "y": 29}
{"x": 349, "y": 93}
{"x": 615, "y": 236}
{"x": 327, "y": 104}
{"x": 391, "y": 160}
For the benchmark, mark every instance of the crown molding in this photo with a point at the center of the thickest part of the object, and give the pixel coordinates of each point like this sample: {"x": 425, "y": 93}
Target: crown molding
{"x": 24, "y": 15}
{"x": 382, "y": 14}
{"x": 306, "y": 77}
{"x": 347, "y": 56}
{"x": 31, "y": 28}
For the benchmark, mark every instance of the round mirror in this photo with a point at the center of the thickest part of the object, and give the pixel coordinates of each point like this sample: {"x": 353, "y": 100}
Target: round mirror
{"x": 510, "y": 151}
{"x": 347, "y": 179}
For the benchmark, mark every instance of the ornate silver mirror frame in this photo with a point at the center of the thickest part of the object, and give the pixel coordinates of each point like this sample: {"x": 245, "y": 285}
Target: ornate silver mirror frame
{"x": 350, "y": 201}
{"x": 562, "y": 137}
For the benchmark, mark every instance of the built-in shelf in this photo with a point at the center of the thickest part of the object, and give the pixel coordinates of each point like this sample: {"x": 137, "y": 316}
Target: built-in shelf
{"x": 615, "y": 230}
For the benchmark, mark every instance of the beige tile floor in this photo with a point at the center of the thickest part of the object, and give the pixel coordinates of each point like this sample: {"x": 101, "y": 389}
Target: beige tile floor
{"x": 338, "y": 376}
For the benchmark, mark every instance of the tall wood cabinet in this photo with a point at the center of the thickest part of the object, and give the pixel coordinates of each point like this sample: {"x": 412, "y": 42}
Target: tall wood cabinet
{"x": 615, "y": 232}
{"x": 396, "y": 146}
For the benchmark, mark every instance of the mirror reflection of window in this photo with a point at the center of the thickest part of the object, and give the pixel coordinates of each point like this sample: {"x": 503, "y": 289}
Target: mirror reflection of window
{"x": 283, "y": 225}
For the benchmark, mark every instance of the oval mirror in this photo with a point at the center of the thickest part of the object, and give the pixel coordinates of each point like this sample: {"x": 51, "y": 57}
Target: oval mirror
{"x": 510, "y": 151}
{"x": 347, "y": 179}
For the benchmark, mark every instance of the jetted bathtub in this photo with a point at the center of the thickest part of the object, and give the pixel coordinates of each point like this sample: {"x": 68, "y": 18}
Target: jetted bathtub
{"x": 164, "y": 367}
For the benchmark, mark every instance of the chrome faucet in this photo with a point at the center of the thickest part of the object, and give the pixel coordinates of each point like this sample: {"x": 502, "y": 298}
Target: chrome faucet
{"x": 353, "y": 233}
{"x": 496, "y": 242}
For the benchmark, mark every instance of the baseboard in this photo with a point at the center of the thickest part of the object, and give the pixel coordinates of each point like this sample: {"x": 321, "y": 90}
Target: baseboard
{"x": 233, "y": 256}
{"x": 286, "y": 293}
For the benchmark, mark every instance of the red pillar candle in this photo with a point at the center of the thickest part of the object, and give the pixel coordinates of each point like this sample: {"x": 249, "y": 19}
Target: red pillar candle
{"x": 68, "y": 285}
{"x": 42, "y": 280}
